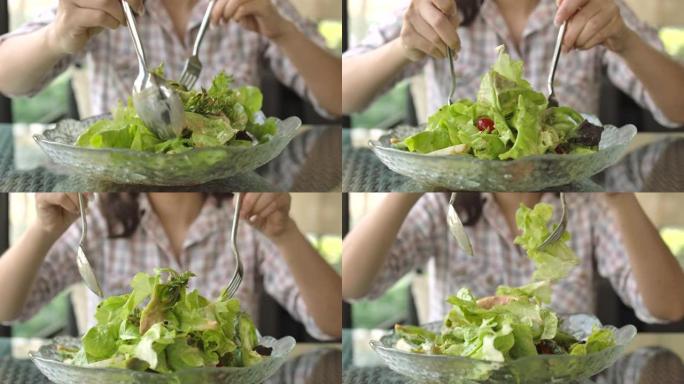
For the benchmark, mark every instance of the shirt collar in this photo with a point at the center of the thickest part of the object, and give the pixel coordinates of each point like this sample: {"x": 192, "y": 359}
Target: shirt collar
{"x": 150, "y": 224}
{"x": 157, "y": 12}
{"x": 492, "y": 214}
{"x": 212, "y": 218}
{"x": 541, "y": 17}
{"x": 208, "y": 222}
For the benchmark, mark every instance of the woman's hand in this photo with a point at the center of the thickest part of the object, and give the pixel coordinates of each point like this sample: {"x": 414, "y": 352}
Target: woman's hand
{"x": 78, "y": 20}
{"x": 429, "y": 27}
{"x": 592, "y": 23}
{"x": 269, "y": 213}
{"x": 259, "y": 16}
{"x": 56, "y": 212}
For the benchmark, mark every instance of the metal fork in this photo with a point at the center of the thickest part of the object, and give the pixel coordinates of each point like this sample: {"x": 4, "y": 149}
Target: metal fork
{"x": 237, "y": 276}
{"x": 552, "y": 101}
{"x": 560, "y": 229}
{"x": 450, "y": 55}
{"x": 84, "y": 268}
{"x": 456, "y": 227}
{"x": 193, "y": 66}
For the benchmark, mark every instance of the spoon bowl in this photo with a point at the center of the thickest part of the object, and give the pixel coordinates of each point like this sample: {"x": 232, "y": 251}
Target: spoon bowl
{"x": 84, "y": 268}
{"x": 456, "y": 227}
{"x": 158, "y": 106}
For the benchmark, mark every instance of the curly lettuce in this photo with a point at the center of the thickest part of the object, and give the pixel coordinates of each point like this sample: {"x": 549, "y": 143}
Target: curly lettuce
{"x": 162, "y": 327}
{"x": 515, "y": 323}
{"x": 557, "y": 259}
{"x": 507, "y": 121}
{"x": 214, "y": 117}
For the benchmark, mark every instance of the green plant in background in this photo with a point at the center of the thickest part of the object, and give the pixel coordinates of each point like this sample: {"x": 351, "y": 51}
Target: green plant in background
{"x": 48, "y": 105}
{"x": 674, "y": 238}
{"x": 387, "y": 111}
{"x": 673, "y": 39}
{"x": 330, "y": 247}
{"x": 387, "y": 310}
{"x": 51, "y": 319}
{"x": 331, "y": 30}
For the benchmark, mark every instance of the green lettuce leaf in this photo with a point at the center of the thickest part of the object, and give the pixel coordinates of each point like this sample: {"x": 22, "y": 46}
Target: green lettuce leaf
{"x": 213, "y": 117}
{"x": 523, "y": 123}
{"x": 428, "y": 141}
{"x": 557, "y": 259}
{"x": 518, "y": 322}
{"x": 561, "y": 122}
{"x": 161, "y": 327}
{"x": 100, "y": 342}
{"x": 526, "y": 121}
{"x": 599, "y": 340}
{"x": 540, "y": 290}
{"x": 523, "y": 345}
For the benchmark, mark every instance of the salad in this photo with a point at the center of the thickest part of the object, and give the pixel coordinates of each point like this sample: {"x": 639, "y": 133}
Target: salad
{"x": 516, "y": 322}
{"x": 161, "y": 327}
{"x": 214, "y": 117}
{"x": 507, "y": 121}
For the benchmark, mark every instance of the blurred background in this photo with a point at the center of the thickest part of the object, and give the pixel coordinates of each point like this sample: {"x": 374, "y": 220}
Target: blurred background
{"x": 404, "y": 302}
{"x": 404, "y": 104}
{"x": 317, "y": 215}
{"x": 67, "y": 96}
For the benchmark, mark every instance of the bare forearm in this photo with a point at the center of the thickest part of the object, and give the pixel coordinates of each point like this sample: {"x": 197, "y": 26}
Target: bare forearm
{"x": 662, "y": 76}
{"x": 366, "y": 247}
{"x": 26, "y": 60}
{"x": 659, "y": 277}
{"x": 18, "y": 269}
{"x": 365, "y": 75}
{"x": 319, "y": 284}
{"x": 320, "y": 69}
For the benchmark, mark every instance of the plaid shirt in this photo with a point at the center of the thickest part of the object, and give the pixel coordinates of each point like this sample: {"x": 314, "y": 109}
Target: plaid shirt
{"x": 113, "y": 65}
{"x": 424, "y": 238}
{"x": 577, "y": 78}
{"x": 206, "y": 251}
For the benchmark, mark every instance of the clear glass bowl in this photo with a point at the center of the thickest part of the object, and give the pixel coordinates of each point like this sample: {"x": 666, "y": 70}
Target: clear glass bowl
{"x": 529, "y": 370}
{"x": 49, "y": 362}
{"x": 533, "y": 173}
{"x": 124, "y": 166}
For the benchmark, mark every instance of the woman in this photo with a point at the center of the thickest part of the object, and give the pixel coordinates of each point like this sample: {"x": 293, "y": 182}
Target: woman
{"x": 601, "y": 33}
{"x": 611, "y": 236}
{"x": 243, "y": 33}
{"x": 131, "y": 233}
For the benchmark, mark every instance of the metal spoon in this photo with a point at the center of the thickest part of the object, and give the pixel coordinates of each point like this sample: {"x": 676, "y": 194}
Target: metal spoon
{"x": 84, "y": 268}
{"x": 456, "y": 227}
{"x": 159, "y": 107}
{"x": 552, "y": 101}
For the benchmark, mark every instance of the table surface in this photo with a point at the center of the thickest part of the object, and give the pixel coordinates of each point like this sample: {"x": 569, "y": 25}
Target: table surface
{"x": 653, "y": 163}
{"x": 307, "y": 364}
{"x": 310, "y": 163}
{"x": 652, "y": 358}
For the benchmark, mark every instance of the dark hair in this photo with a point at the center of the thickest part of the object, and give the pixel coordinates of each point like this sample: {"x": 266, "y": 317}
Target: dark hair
{"x": 469, "y": 10}
{"x": 469, "y": 206}
{"x": 122, "y": 212}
